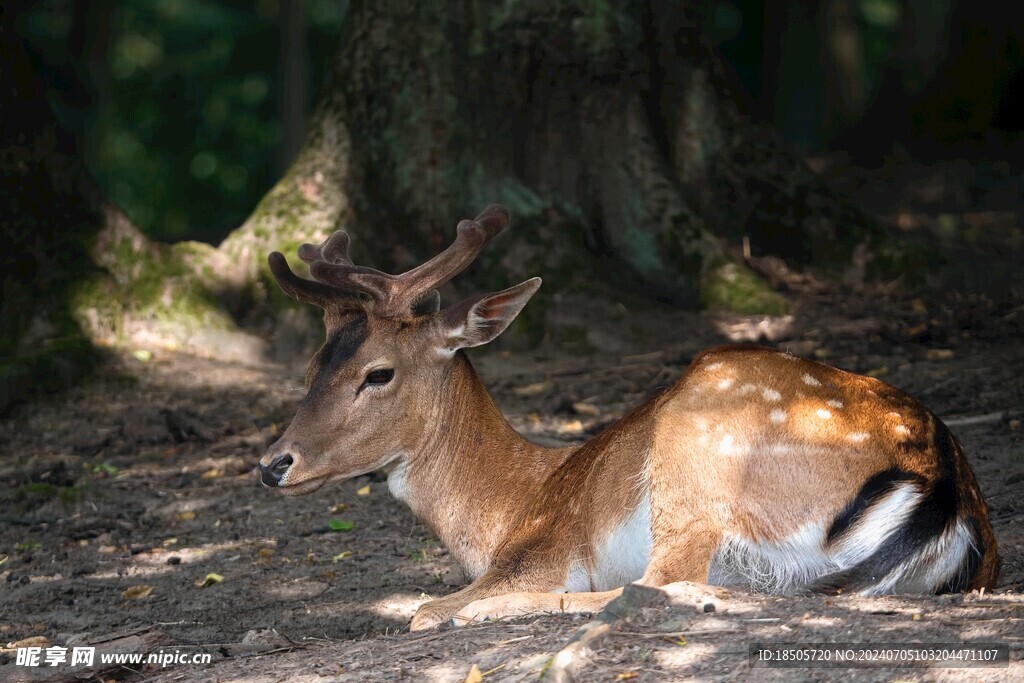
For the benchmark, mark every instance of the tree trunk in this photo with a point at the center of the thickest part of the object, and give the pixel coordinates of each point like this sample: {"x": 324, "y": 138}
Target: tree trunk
{"x": 610, "y": 130}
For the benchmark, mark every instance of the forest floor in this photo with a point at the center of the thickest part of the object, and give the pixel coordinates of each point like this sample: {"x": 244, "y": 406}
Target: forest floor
{"x": 133, "y": 520}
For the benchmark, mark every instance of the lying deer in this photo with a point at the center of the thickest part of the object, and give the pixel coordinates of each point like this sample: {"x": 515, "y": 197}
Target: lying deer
{"x": 756, "y": 469}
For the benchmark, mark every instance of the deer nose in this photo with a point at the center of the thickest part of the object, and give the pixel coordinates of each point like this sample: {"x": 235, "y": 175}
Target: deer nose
{"x": 271, "y": 474}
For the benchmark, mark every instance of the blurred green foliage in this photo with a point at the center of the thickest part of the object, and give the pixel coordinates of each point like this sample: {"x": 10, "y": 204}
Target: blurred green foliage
{"x": 176, "y": 102}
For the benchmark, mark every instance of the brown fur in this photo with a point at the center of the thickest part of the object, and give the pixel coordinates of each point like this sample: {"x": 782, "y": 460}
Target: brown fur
{"x": 750, "y": 443}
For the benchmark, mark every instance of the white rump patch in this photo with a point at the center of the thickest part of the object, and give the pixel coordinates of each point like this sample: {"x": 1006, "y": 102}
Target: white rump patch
{"x": 811, "y": 381}
{"x": 782, "y": 566}
{"x": 796, "y": 561}
{"x": 876, "y": 524}
{"x": 931, "y": 568}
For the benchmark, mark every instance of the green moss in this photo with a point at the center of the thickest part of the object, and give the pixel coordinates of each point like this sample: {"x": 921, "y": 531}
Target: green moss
{"x": 158, "y": 285}
{"x": 36, "y": 492}
{"x": 730, "y": 287}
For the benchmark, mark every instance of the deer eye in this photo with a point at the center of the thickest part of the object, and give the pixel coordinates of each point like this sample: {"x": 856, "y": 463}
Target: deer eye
{"x": 377, "y": 378}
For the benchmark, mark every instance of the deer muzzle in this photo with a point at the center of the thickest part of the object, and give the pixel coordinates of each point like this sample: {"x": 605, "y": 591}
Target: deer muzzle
{"x": 272, "y": 474}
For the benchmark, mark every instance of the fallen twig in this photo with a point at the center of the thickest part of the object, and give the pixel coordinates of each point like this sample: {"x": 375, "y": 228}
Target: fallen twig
{"x": 675, "y": 634}
{"x": 986, "y": 418}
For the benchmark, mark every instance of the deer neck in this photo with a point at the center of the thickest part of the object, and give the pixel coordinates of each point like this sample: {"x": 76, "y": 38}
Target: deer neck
{"x": 473, "y": 474}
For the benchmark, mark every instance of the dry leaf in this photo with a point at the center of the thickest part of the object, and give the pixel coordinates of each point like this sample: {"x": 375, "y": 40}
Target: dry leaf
{"x": 186, "y": 516}
{"x": 570, "y": 427}
{"x": 939, "y": 354}
{"x": 365, "y": 491}
{"x": 341, "y": 556}
{"x": 212, "y": 473}
{"x": 626, "y": 675}
{"x": 474, "y": 675}
{"x": 266, "y": 553}
{"x": 209, "y": 580}
{"x": 582, "y": 408}
{"x": 136, "y": 592}
{"x": 531, "y": 389}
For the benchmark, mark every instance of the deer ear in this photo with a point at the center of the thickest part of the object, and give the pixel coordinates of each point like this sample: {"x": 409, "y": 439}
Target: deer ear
{"x": 480, "y": 319}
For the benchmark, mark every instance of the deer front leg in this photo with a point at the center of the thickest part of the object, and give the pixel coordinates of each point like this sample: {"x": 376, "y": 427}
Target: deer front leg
{"x": 491, "y": 595}
{"x": 521, "y": 604}
{"x": 444, "y": 609}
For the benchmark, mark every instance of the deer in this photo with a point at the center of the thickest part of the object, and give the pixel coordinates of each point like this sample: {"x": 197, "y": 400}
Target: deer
{"x": 756, "y": 470}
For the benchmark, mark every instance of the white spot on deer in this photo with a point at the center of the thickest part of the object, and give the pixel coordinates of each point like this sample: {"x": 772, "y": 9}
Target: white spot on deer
{"x": 858, "y": 437}
{"x": 902, "y": 430}
{"x": 746, "y": 389}
{"x": 823, "y": 414}
{"x": 770, "y": 395}
{"x": 811, "y": 381}
{"x": 724, "y": 384}
{"x": 726, "y": 445}
{"x": 835, "y": 403}
{"x": 711, "y": 367}
{"x": 777, "y": 416}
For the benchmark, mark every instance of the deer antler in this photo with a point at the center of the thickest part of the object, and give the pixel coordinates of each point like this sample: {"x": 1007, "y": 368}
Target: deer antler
{"x": 336, "y": 277}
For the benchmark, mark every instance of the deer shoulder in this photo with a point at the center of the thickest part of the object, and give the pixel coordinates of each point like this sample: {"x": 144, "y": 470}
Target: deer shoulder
{"x": 757, "y": 469}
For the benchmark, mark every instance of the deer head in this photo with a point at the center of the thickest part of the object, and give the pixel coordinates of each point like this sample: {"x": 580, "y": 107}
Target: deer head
{"x": 373, "y": 385}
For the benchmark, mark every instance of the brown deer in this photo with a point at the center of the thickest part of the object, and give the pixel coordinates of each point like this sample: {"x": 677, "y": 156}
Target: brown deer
{"x": 757, "y": 469}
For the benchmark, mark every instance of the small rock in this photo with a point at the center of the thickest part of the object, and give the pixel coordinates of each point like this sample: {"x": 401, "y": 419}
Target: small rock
{"x": 174, "y": 560}
{"x": 709, "y": 607}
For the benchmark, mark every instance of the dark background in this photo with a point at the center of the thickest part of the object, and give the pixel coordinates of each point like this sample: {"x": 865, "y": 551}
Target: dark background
{"x": 187, "y": 111}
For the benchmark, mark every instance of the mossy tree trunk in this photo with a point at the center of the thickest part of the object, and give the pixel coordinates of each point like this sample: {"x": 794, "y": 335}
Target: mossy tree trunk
{"x": 608, "y": 127}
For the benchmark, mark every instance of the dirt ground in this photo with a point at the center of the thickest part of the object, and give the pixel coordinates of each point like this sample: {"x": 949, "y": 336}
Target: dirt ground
{"x": 133, "y": 519}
